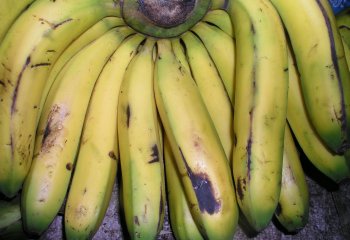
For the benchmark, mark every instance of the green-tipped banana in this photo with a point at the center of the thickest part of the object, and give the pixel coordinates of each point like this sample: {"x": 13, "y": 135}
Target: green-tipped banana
{"x": 293, "y": 206}
{"x": 96, "y": 166}
{"x": 211, "y": 89}
{"x": 181, "y": 220}
{"x": 140, "y": 148}
{"x": 260, "y": 108}
{"x": 9, "y": 11}
{"x": 60, "y": 129}
{"x": 221, "y": 48}
{"x": 324, "y": 74}
{"x": 200, "y": 157}
{"x": 330, "y": 164}
{"x": 27, "y": 54}
{"x": 221, "y": 19}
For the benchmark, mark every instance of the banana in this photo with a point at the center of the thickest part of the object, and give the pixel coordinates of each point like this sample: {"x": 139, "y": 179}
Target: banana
{"x": 343, "y": 24}
{"x": 330, "y": 164}
{"x": 91, "y": 34}
{"x": 9, "y": 11}
{"x": 293, "y": 206}
{"x": 221, "y": 48}
{"x": 181, "y": 220}
{"x": 97, "y": 161}
{"x": 324, "y": 74}
{"x": 140, "y": 148}
{"x": 59, "y": 131}
{"x": 218, "y": 4}
{"x": 211, "y": 89}
{"x": 27, "y": 53}
{"x": 220, "y": 19}
{"x": 178, "y": 47}
{"x": 9, "y": 212}
{"x": 200, "y": 157}
{"x": 260, "y": 108}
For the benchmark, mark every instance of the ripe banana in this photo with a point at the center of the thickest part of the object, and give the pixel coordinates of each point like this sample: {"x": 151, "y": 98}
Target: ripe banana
{"x": 200, "y": 157}
{"x": 9, "y": 12}
{"x": 91, "y": 34}
{"x": 27, "y": 53}
{"x": 293, "y": 206}
{"x": 218, "y": 4}
{"x": 178, "y": 47}
{"x": 97, "y": 161}
{"x": 140, "y": 145}
{"x": 260, "y": 108}
{"x": 330, "y": 164}
{"x": 181, "y": 220}
{"x": 221, "y": 48}
{"x": 324, "y": 74}
{"x": 59, "y": 131}
{"x": 220, "y": 19}
{"x": 211, "y": 89}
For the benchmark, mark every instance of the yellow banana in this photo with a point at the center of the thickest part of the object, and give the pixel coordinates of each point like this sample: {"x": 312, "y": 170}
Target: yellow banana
{"x": 27, "y": 53}
{"x": 96, "y": 166}
{"x": 181, "y": 220}
{"x": 178, "y": 47}
{"x": 260, "y": 108}
{"x": 221, "y": 19}
{"x": 324, "y": 74}
{"x": 200, "y": 157}
{"x": 59, "y": 131}
{"x": 221, "y": 48}
{"x": 211, "y": 89}
{"x": 140, "y": 148}
{"x": 293, "y": 206}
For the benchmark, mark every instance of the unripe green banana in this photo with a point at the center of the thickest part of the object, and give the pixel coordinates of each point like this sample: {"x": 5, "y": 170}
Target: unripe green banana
{"x": 293, "y": 206}
{"x": 98, "y": 157}
{"x": 181, "y": 220}
{"x": 27, "y": 53}
{"x": 221, "y": 19}
{"x": 212, "y": 90}
{"x": 141, "y": 158}
{"x": 343, "y": 24}
{"x": 60, "y": 129}
{"x": 200, "y": 157}
{"x": 324, "y": 74}
{"x": 221, "y": 48}
{"x": 260, "y": 108}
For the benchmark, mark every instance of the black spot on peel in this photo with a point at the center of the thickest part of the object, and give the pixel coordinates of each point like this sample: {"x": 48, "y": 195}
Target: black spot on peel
{"x": 2, "y": 83}
{"x": 112, "y": 155}
{"x": 69, "y": 166}
{"x": 47, "y": 132}
{"x": 155, "y": 154}
{"x": 40, "y": 65}
{"x": 241, "y": 187}
{"x": 136, "y": 221}
{"x": 128, "y": 114}
{"x": 203, "y": 189}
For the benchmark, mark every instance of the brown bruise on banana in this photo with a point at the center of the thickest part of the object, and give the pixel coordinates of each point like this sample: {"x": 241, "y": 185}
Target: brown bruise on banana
{"x": 154, "y": 154}
{"x": 203, "y": 189}
{"x": 342, "y": 115}
{"x": 52, "y": 25}
{"x": 128, "y": 115}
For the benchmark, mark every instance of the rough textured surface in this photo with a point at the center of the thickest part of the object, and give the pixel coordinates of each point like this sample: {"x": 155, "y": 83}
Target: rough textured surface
{"x": 329, "y": 217}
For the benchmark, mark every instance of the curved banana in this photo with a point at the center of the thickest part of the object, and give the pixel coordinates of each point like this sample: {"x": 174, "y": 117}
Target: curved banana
{"x": 330, "y": 164}
{"x": 96, "y": 166}
{"x": 221, "y": 19}
{"x": 324, "y": 74}
{"x": 9, "y": 11}
{"x": 91, "y": 34}
{"x": 211, "y": 89}
{"x": 260, "y": 108}
{"x": 181, "y": 220}
{"x": 60, "y": 129}
{"x": 200, "y": 157}
{"x": 221, "y": 48}
{"x": 293, "y": 205}
{"x": 140, "y": 148}
{"x": 178, "y": 47}
{"x": 343, "y": 24}
{"x": 27, "y": 53}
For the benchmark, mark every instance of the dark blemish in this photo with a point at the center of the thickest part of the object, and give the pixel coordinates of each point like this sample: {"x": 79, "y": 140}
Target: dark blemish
{"x": 111, "y": 154}
{"x": 51, "y": 51}
{"x": 278, "y": 209}
{"x": 285, "y": 70}
{"x": 252, "y": 29}
{"x": 136, "y": 221}
{"x": 69, "y": 166}
{"x": 235, "y": 140}
{"x": 2, "y": 83}
{"x": 41, "y": 200}
{"x": 203, "y": 189}
{"x": 14, "y": 97}
{"x": 131, "y": 53}
{"x": 54, "y": 26}
{"x": 35, "y": 106}
{"x": 241, "y": 187}
{"x": 159, "y": 57}
{"x": 40, "y": 65}
{"x": 155, "y": 154}
{"x": 84, "y": 191}
{"x": 128, "y": 113}
{"x": 47, "y": 132}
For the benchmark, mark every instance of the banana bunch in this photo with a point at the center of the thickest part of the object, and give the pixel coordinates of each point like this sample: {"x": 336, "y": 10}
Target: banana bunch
{"x": 201, "y": 107}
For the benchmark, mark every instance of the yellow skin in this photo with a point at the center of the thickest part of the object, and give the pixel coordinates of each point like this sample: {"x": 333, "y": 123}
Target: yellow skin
{"x": 324, "y": 74}
{"x": 46, "y": 29}
{"x": 200, "y": 157}
{"x": 98, "y": 156}
{"x": 140, "y": 147}
{"x": 260, "y": 108}
{"x": 221, "y": 19}
{"x": 60, "y": 129}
